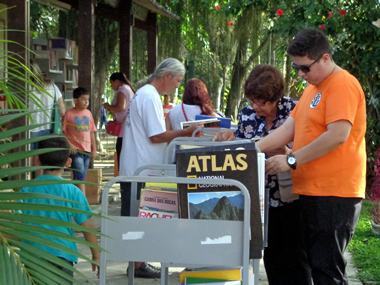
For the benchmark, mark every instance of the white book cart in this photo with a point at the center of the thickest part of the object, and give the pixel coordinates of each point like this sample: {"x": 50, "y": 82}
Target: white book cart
{"x": 174, "y": 242}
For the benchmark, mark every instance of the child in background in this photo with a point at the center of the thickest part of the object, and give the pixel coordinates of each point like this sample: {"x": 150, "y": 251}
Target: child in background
{"x": 60, "y": 158}
{"x": 79, "y": 128}
{"x": 102, "y": 115}
{"x": 167, "y": 105}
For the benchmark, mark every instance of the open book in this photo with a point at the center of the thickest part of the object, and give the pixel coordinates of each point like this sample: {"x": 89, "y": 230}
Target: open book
{"x": 212, "y": 122}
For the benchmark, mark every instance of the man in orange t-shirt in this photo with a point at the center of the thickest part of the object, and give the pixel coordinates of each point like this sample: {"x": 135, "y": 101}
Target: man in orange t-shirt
{"x": 328, "y": 160}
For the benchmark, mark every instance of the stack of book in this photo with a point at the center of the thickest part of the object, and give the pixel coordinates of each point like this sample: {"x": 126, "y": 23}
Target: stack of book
{"x": 210, "y": 276}
{"x": 158, "y": 202}
{"x": 206, "y": 123}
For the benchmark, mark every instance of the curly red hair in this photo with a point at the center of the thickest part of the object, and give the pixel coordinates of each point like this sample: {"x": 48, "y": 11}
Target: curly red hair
{"x": 196, "y": 93}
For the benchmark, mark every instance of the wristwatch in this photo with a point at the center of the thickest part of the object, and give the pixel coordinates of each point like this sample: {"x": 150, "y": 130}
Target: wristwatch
{"x": 292, "y": 161}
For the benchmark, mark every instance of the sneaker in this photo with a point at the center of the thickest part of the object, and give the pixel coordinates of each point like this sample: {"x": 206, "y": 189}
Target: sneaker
{"x": 153, "y": 267}
{"x": 147, "y": 271}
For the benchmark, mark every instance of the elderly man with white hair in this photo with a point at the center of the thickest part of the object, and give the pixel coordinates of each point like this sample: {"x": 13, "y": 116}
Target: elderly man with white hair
{"x": 145, "y": 135}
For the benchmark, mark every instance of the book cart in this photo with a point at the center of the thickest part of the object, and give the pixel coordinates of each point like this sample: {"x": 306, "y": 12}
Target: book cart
{"x": 174, "y": 242}
{"x": 168, "y": 240}
{"x": 207, "y": 141}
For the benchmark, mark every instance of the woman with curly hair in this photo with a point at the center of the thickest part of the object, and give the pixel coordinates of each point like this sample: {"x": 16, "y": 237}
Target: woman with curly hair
{"x": 195, "y": 101}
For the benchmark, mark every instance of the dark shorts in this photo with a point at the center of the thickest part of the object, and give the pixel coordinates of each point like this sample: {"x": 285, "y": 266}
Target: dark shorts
{"x": 65, "y": 270}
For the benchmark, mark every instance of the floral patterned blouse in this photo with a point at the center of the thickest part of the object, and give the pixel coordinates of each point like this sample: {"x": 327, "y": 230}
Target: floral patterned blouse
{"x": 251, "y": 125}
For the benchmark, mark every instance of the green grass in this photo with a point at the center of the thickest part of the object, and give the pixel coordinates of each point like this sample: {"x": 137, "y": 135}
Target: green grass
{"x": 365, "y": 248}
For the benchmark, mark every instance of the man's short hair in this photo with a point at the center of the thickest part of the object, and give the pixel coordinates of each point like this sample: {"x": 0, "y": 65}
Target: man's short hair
{"x": 56, "y": 158}
{"x": 79, "y": 92}
{"x": 309, "y": 42}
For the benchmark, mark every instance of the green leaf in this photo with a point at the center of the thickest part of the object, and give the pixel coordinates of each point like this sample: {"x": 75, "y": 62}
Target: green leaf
{"x": 14, "y": 184}
{"x": 43, "y": 220}
{"x": 41, "y": 207}
{"x": 6, "y": 172}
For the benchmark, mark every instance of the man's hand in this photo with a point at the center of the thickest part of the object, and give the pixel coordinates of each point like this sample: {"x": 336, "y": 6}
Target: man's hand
{"x": 276, "y": 164}
{"x": 224, "y": 136}
{"x": 190, "y": 130}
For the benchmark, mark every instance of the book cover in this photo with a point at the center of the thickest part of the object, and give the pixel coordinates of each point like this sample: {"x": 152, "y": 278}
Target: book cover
{"x": 228, "y": 274}
{"x": 224, "y": 122}
{"x": 150, "y": 213}
{"x": 205, "y": 201}
{"x": 211, "y": 122}
{"x": 197, "y": 280}
{"x": 223, "y": 205}
{"x": 165, "y": 201}
{"x": 233, "y": 282}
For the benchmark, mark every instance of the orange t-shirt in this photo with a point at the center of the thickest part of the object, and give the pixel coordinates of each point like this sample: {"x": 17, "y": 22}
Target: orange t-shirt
{"x": 78, "y": 126}
{"x": 341, "y": 172}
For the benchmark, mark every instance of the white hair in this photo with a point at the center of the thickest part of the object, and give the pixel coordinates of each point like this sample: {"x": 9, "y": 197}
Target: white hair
{"x": 169, "y": 65}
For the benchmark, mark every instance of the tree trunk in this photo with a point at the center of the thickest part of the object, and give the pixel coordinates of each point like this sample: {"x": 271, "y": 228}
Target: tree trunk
{"x": 106, "y": 39}
{"x": 238, "y": 74}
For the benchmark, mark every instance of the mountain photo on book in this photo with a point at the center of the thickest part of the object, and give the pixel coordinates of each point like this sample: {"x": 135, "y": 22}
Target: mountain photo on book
{"x": 216, "y": 205}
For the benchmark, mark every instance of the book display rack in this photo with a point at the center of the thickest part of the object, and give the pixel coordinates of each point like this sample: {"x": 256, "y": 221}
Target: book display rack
{"x": 58, "y": 58}
{"x": 179, "y": 242}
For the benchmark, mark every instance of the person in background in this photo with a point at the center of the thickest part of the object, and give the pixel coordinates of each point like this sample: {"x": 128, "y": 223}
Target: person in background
{"x": 195, "y": 101}
{"x": 75, "y": 199}
{"x": 42, "y": 110}
{"x": 119, "y": 107}
{"x": 328, "y": 159}
{"x": 145, "y": 135}
{"x": 167, "y": 105}
{"x": 79, "y": 128}
{"x": 102, "y": 115}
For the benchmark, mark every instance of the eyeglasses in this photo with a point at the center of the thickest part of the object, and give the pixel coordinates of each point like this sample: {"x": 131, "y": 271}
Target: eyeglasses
{"x": 305, "y": 68}
{"x": 259, "y": 103}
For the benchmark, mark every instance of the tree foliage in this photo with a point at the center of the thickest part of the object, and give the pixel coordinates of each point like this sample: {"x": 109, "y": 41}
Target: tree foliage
{"x": 220, "y": 42}
{"x": 356, "y": 43}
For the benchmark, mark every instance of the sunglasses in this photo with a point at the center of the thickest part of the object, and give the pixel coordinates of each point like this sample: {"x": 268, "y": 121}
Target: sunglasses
{"x": 305, "y": 68}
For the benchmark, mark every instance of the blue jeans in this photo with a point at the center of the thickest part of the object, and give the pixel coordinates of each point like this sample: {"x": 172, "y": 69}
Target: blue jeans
{"x": 80, "y": 164}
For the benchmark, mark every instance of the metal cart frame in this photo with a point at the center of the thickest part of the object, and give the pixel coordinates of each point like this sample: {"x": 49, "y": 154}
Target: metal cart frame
{"x": 187, "y": 242}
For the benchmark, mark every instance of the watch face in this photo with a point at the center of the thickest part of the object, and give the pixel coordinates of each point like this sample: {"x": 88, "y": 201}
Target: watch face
{"x": 291, "y": 160}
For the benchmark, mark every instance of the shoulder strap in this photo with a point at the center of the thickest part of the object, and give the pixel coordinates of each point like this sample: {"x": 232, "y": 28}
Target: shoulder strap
{"x": 184, "y": 113}
{"x": 55, "y": 93}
